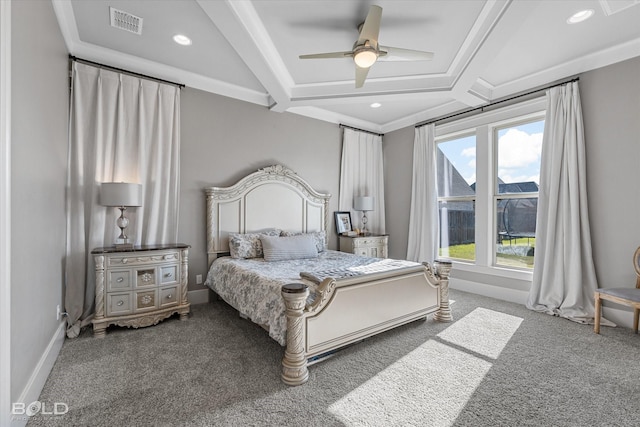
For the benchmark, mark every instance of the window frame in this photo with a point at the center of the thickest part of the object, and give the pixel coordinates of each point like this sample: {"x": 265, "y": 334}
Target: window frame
{"x": 485, "y": 126}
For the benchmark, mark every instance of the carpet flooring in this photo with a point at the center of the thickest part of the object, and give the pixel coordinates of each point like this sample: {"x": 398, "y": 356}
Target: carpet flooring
{"x": 497, "y": 364}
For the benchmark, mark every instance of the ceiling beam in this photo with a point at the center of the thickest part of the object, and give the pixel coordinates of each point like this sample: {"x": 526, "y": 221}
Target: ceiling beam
{"x": 509, "y": 17}
{"x": 239, "y": 23}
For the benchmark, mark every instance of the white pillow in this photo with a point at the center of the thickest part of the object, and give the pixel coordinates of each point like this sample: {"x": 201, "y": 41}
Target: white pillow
{"x": 320, "y": 237}
{"x": 290, "y": 247}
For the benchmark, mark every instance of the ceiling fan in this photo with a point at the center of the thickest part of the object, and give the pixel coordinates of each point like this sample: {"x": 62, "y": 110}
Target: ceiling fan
{"x": 366, "y": 50}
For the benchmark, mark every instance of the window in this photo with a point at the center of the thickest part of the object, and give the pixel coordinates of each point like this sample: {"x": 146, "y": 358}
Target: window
{"x": 457, "y": 197}
{"x": 518, "y": 151}
{"x": 488, "y": 170}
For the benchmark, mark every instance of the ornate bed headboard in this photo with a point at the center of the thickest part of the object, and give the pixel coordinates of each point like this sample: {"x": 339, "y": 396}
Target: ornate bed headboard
{"x": 272, "y": 197}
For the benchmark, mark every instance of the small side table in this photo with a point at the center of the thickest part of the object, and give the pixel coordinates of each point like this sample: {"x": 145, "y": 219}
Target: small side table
{"x": 373, "y": 246}
{"x": 140, "y": 286}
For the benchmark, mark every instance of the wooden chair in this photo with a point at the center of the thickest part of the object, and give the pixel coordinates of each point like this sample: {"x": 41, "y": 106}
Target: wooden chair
{"x": 626, "y": 296}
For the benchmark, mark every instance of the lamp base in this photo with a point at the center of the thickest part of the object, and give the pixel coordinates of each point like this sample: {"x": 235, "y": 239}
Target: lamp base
{"x": 125, "y": 243}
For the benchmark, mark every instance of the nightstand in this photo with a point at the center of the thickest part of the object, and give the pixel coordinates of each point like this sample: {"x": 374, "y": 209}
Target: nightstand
{"x": 140, "y": 286}
{"x": 373, "y": 246}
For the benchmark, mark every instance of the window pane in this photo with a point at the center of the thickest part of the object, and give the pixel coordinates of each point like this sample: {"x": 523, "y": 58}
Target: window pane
{"x": 457, "y": 167}
{"x": 457, "y": 229}
{"x": 516, "y": 226}
{"x": 519, "y": 150}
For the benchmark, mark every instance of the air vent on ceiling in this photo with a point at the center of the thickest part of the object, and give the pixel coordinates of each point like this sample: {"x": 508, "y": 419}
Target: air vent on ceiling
{"x": 125, "y": 21}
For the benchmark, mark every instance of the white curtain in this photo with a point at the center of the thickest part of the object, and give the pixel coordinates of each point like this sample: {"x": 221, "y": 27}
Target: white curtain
{"x": 423, "y": 217}
{"x": 121, "y": 129}
{"x": 362, "y": 174}
{"x": 564, "y": 278}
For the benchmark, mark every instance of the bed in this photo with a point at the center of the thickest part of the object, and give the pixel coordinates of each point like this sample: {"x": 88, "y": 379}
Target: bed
{"x": 310, "y": 305}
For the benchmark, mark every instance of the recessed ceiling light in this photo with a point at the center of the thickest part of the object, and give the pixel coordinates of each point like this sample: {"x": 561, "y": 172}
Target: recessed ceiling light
{"x": 583, "y": 15}
{"x": 376, "y": 105}
{"x": 182, "y": 39}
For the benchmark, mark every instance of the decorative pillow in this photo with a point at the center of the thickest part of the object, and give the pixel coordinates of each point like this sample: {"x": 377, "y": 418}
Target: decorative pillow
{"x": 289, "y": 247}
{"x": 248, "y": 245}
{"x": 320, "y": 237}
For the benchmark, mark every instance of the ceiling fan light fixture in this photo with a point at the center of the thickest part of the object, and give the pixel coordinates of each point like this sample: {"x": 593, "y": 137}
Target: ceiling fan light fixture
{"x": 365, "y": 58}
{"x": 580, "y": 16}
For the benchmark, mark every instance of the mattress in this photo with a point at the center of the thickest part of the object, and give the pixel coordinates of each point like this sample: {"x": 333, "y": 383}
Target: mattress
{"x": 253, "y": 286}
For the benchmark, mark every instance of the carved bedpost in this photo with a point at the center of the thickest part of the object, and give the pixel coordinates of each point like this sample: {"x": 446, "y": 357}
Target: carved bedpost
{"x": 99, "y": 329}
{"x": 184, "y": 283}
{"x": 294, "y": 363}
{"x": 444, "y": 313}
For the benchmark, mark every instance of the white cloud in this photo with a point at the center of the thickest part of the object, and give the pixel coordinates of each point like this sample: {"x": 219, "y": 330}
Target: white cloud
{"x": 469, "y": 152}
{"x": 514, "y": 175}
{"x": 518, "y": 149}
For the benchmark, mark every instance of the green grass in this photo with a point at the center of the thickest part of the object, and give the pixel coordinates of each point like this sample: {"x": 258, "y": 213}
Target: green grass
{"x": 467, "y": 252}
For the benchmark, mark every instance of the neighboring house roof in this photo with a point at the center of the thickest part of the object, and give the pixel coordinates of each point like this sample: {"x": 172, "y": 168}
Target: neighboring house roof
{"x": 450, "y": 182}
{"x": 517, "y": 187}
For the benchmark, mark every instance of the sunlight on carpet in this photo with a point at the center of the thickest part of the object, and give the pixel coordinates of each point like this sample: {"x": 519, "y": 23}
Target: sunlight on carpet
{"x": 483, "y": 331}
{"x": 434, "y": 382}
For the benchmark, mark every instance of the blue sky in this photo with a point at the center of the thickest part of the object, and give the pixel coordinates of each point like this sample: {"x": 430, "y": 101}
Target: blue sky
{"x": 519, "y": 149}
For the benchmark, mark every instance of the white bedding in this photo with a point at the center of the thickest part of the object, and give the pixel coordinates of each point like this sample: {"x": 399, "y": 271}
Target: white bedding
{"x": 252, "y": 286}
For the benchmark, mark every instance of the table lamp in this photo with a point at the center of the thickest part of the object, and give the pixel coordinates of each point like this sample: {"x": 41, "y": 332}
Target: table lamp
{"x": 121, "y": 195}
{"x": 364, "y": 204}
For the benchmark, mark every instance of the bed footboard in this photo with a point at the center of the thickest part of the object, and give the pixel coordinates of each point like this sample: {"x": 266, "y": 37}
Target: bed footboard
{"x": 347, "y": 311}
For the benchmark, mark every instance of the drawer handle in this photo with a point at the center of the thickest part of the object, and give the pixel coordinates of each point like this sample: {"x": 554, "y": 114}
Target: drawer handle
{"x": 120, "y": 279}
{"x": 167, "y": 275}
{"x": 169, "y": 296}
{"x": 120, "y": 303}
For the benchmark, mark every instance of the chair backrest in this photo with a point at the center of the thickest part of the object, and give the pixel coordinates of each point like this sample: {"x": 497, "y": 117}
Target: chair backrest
{"x": 636, "y": 265}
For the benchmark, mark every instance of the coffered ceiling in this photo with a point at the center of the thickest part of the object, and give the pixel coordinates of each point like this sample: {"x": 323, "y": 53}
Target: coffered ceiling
{"x": 249, "y": 50}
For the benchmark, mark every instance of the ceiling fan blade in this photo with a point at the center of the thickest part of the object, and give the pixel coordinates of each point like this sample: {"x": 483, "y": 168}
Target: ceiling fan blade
{"x": 345, "y": 54}
{"x": 361, "y": 76}
{"x": 399, "y": 54}
{"x": 371, "y": 27}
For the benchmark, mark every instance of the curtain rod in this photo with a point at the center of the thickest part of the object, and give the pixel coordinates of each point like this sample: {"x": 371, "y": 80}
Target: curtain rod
{"x": 361, "y": 130}
{"x": 109, "y": 67}
{"x": 481, "y": 108}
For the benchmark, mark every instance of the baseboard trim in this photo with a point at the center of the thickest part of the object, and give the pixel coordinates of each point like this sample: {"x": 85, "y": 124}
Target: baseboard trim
{"x": 39, "y": 376}
{"x": 199, "y": 296}
{"x": 498, "y": 292}
{"x": 618, "y": 316}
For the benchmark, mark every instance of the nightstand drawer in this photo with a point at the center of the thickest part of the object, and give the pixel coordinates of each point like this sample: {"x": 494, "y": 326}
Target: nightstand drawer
{"x": 146, "y": 300}
{"x": 168, "y": 296}
{"x": 370, "y": 241}
{"x": 168, "y": 274}
{"x": 118, "y": 304}
{"x": 146, "y": 277}
{"x": 369, "y": 246}
{"x": 119, "y": 280}
{"x": 361, "y": 252}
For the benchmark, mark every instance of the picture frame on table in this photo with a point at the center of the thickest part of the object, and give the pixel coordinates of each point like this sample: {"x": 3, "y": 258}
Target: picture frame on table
{"x": 343, "y": 222}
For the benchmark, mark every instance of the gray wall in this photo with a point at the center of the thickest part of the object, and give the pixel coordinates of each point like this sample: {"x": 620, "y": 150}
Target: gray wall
{"x": 611, "y": 111}
{"x": 223, "y": 139}
{"x": 397, "y": 148}
{"x": 38, "y": 174}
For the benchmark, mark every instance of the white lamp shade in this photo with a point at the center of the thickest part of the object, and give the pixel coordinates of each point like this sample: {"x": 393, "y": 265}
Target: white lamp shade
{"x": 120, "y": 194}
{"x": 363, "y": 203}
